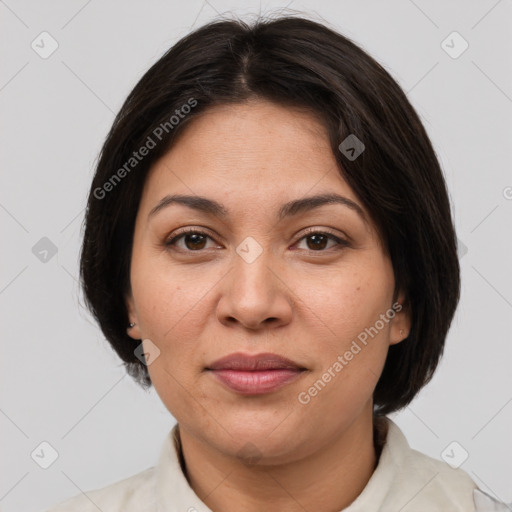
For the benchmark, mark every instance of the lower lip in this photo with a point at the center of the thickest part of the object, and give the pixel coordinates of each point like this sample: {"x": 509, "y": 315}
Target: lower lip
{"x": 256, "y": 382}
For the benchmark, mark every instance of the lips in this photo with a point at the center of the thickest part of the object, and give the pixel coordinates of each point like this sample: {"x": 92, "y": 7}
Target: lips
{"x": 255, "y": 374}
{"x": 247, "y": 362}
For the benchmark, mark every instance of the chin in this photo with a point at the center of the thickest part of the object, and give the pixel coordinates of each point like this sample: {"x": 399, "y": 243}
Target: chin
{"x": 267, "y": 434}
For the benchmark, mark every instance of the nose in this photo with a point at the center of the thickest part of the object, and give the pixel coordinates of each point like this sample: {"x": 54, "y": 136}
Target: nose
{"x": 255, "y": 295}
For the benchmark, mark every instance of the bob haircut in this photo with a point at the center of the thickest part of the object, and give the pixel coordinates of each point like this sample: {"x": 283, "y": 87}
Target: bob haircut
{"x": 293, "y": 62}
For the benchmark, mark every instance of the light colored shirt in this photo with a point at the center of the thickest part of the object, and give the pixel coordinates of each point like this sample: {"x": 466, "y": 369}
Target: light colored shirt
{"x": 404, "y": 479}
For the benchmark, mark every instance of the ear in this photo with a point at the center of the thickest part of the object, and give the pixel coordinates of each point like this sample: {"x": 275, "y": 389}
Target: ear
{"x": 133, "y": 332}
{"x": 401, "y": 323}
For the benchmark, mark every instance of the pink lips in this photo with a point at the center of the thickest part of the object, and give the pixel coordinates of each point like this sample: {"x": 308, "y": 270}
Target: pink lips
{"x": 255, "y": 374}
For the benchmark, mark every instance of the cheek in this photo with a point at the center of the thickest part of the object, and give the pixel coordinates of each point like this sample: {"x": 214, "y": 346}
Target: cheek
{"x": 352, "y": 352}
{"x": 170, "y": 315}
{"x": 167, "y": 299}
{"x": 345, "y": 380}
{"x": 344, "y": 302}
{"x": 171, "y": 385}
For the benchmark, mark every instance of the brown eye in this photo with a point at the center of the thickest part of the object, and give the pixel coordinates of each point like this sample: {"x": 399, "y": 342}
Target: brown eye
{"x": 196, "y": 241}
{"x": 193, "y": 240}
{"x": 317, "y": 241}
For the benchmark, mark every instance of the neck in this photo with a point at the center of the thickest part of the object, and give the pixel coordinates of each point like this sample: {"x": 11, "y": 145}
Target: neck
{"x": 329, "y": 479}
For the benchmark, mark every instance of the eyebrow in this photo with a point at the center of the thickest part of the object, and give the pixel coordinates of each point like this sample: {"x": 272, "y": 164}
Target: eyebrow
{"x": 290, "y": 209}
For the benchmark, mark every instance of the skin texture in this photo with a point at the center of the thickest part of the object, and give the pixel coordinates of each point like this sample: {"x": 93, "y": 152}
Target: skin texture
{"x": 198, "y": 301}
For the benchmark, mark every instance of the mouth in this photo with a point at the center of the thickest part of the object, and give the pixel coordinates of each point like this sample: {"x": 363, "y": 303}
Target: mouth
{"x": 255, "y": 374}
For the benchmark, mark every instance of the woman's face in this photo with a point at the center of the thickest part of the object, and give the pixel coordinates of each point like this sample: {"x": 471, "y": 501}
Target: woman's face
{"x": 308, "y": 283}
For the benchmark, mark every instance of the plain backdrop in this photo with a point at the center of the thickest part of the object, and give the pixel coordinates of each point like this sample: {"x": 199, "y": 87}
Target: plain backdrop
{"x": 60, "y": 381}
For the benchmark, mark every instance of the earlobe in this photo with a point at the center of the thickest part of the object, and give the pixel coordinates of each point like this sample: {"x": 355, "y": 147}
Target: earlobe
{"x": 132, "y": 328}
{"x": 401, "y": 323}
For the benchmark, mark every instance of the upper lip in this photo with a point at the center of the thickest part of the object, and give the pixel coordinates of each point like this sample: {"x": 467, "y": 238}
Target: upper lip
{"x": 254, "y": 362}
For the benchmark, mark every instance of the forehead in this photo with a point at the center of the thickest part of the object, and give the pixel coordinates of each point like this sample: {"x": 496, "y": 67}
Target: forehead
{"x": 253, "y": 152}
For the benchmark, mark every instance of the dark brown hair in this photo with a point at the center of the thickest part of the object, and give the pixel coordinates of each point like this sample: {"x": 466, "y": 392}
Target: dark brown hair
{"x": 291, "y": 61}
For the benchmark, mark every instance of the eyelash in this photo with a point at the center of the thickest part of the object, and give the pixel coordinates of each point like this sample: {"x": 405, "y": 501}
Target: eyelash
{"x": 191, "y": 231}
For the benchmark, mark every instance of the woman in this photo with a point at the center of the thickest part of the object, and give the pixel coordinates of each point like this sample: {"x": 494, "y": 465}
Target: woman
{"x": 269, "y": 244}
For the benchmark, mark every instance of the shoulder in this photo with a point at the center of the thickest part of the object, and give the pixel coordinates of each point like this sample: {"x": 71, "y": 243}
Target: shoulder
{"x": 131, "y": 494}
{"x": 438, "y": 479}
{"x": 442, "y": 487}
{"x": 421, "y": 481}
{"x": 486, "y": 503}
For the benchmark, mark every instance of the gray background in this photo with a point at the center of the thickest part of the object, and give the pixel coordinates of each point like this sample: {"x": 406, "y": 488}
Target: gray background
{"x": 62, "y": 384}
